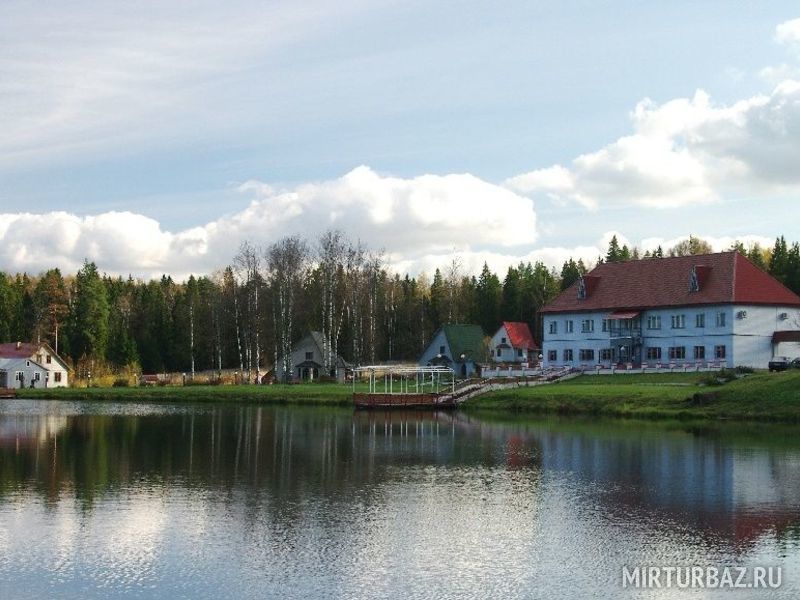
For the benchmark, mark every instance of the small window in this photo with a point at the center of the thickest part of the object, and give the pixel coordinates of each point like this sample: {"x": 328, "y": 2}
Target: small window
{"x": 694, "y": 280}
{"x": 699, "y": 352}
{"x": 719, "y": 351}
{"x": 677, "y": 352}
{"x": 27, "y": 363}
{"x": 568, "y": 326}
{"x": 586, "y": 354}
{"x": 678, "y": 321}
{"x": 502, "y": 340}
{"x": 552, "y": 355}
{"x": 49, "y": 359}
{"x": 654, "y": 322}
{"x": 721, "y": 319}
{"x": 587, "y": 326}
{"x": 606, "y": 354}
{"x": 309, "y": 356}
{"x": 605, "y": 325}
{"x": 553, "y": 326}
{"x": 37, "y": 376}
{"x": 519, "y": 352}
{"x": 499, "y": 352}
{"x": 568, "y": 355}
{"x": 18, "y": 376}
{"x": 654, "y": 353}
{"x": 700, "y": 320}
{"x": 441, "y": 349}
{"x": 57, "y": 376}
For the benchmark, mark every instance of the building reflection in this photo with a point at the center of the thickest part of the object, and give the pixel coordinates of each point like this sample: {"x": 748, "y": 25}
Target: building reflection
{"x": 709, "y": 481}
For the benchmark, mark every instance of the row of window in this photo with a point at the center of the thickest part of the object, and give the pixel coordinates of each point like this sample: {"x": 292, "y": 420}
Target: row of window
{"x": 653, "y": 322}
{"x": 651, "y": 353}
{"x": 519, "y": 352}
{"x": 19, "y": 376}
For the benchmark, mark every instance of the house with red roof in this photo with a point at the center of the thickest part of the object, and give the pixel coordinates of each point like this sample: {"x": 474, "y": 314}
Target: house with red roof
{"x": 514, "y": 343}
{"x": 31, "y": 365}
{"x": 713, "y": 310}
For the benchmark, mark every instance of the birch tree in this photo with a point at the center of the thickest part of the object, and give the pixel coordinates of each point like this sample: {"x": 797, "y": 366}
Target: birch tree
{"x": 286, "y": 262}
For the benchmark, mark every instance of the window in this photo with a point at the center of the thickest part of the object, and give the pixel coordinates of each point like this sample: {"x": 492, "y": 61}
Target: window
{"x": 721, "y": 319}
{"x": 677, "y": 352}
{"x": 605, "y": 325}
{"x": 552, "y": 355}
{"x": 18, "y": 376}
{"x": 309, "y": 356}
{"x": 37, "y": 376}
{"x": 502, "y": 340}
{"x": 700, "y": 352}
{"x": 553, "y": 326}
{"x": 586, "y": 355}
{"x": 719, "y": 351}
{"x": 587, "y": 326}
{"x": 654, "y": 322}
{"x": 57, "y": 376}
{"x": 654, "y": 353}
{"x": 519, "y": 352}
{"x": 568, "y": 355}
{"x": 27, "y": 363}
{"x": 700, "y": 320}
{"x": 499, "y": 352}
{"x": 606, "y": 354}
{"x": 441, "y": 349}
{"x": 678, "y": 321}
{"x": 49, "y": 359}
{"x": 694, "y": 280}
{"x": 568, "y": 326}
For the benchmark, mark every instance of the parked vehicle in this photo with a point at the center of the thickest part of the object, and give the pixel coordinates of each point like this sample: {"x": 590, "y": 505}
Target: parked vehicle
{"x": 782, "y": 363}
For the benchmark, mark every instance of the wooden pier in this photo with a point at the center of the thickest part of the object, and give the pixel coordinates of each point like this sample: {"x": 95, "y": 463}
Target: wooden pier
{"x": 8, "y": 393}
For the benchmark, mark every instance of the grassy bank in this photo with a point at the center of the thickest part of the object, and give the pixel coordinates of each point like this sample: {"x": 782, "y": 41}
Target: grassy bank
{"x": 761, "y": 396}
{"x": 330, "y": 394}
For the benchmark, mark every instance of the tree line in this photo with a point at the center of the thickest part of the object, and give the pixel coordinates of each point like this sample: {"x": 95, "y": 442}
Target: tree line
{"x": 248, "y": 315}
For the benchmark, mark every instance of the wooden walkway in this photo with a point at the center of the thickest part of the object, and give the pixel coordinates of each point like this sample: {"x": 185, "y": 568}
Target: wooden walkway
{"x": 470, "y": 388}
{"x": 8, "y": 393}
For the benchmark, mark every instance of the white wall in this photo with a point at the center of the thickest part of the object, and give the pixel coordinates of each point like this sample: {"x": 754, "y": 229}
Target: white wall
{"x": 747, "y": 341}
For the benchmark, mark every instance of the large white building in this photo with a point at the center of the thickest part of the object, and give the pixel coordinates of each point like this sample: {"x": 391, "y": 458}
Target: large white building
{"x": 710, "y": 310}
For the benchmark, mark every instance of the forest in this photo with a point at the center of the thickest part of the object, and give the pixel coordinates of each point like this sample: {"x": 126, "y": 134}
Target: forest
{"x": 248, "y": 315}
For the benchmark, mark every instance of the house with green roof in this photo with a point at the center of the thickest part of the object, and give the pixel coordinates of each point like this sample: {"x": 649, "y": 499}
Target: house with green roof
{"x": 460, "y": 347}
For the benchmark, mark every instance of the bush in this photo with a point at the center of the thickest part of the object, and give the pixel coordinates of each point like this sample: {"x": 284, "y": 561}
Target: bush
{"x": 121, "y": 382}
{"x": 742, "y": 370}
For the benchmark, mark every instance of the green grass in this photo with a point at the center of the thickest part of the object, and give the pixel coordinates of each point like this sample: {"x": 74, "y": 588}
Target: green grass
{"x": 761, "y": 396}
{"x": 331, "y": 394}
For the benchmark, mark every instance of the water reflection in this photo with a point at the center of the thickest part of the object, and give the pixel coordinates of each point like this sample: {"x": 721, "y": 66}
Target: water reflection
{"x": 98, "y": 500}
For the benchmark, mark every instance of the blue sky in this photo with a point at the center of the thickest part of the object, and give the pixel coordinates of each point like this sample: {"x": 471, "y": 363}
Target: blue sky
{"x": 155, "y": 136}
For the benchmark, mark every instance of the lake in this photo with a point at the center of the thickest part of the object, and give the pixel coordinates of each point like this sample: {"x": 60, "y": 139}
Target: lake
{"x": 124, "y": 500}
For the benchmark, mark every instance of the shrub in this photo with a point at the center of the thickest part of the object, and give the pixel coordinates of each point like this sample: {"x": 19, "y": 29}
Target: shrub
{"x": 121, "y": 382}
{"x": 742, "y": 370}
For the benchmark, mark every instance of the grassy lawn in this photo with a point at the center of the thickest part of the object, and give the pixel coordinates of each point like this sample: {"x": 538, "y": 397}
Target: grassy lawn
{"x": 310, "y": 393}
{"x": 761, "y": 396}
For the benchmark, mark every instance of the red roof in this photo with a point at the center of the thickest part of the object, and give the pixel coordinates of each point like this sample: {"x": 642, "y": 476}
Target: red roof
{"x": 724, "y": 278}
{"x": 519, "y": 334}
{"x": 24, "y": 350}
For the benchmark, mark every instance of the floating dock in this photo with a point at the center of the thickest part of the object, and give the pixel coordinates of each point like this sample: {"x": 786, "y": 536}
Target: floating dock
{"x": 405, "y": 387}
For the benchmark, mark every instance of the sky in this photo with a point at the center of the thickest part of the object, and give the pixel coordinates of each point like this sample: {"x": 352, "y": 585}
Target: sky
{"x": 155, "y": 137}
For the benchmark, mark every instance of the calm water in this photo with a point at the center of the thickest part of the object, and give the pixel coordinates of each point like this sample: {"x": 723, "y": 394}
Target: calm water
{"x": 148, "y": 501}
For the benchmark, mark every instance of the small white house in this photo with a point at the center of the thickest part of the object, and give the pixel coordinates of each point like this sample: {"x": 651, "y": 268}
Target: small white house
{"x": 23, "y": 363}
{"x": 308, "y": 361}
{"x": 19, "y": 373}
{"x": 514, "y": 343}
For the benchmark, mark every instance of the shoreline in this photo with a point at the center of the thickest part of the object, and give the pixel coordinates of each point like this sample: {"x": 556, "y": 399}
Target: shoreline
{"x": 761, "y": 397}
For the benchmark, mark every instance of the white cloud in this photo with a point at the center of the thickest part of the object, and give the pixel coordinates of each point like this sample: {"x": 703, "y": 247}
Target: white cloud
{"x": 686, "y": 152}
{"x": 411, "y": 219}
{"x": 788, "y": 32}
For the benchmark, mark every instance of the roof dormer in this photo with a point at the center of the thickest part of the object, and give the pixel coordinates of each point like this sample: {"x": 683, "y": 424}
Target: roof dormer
{"x": 697, "y": 277}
